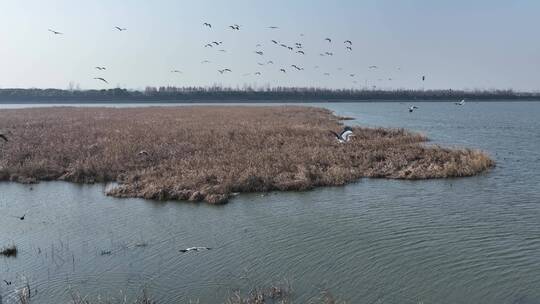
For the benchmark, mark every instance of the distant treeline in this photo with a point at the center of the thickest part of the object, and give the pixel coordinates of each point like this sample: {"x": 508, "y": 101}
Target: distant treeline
{"x": 217, "y": 94}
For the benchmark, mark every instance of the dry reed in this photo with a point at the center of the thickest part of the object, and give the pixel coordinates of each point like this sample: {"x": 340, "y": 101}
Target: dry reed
{"x": 208, "y": 153}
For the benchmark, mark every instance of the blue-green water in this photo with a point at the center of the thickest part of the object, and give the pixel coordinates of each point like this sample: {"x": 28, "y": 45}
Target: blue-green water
{"x": 469, "y": 240}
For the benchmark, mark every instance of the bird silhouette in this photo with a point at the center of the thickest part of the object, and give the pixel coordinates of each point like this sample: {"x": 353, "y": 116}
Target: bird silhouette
{"x": 273, "y": 27}
{"x": 7, "y": 282}
{"x": 101, "y": 68}
{"x": 423, "y": 78}
{"x": 283, "y": 70}
{"x": 275, "y": 42}
{"x": 349, "y": 48}
{"x": 101, "y": 79}
{"x": 412, "y": 108}
{"x": 121, "y": 29}
{"x": 258, "y": 73}
{"x": 176, "y": 71}
{"x": 301, "y": 52}
{"x": 259, "y": 53}
{"x": 207, "y": 24}
{"x": 55, "y": 32}
{"x": 328, "y": 39}
{"x": 348, "y": 42}
{"x": 2, "y": 136}
{"x": 270, "y": 62}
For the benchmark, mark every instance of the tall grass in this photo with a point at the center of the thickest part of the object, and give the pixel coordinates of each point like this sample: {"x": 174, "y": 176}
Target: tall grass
{"x": 207, "y": 153}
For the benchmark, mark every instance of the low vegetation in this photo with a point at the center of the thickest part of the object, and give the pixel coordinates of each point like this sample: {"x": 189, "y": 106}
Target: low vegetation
{"x": 10, "y": 251}
{"x": 209, "y": 153}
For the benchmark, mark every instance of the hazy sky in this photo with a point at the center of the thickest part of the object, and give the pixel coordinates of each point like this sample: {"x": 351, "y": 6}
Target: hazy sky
{"x": 460, "y": 44}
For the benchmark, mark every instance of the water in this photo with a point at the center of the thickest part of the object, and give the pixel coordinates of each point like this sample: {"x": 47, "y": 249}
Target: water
{"x": 469, "y": 240}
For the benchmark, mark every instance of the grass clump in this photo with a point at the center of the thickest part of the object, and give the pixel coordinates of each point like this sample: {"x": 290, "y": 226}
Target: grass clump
{"x": 208, "y": 153}
{"x": 10, "y": 251}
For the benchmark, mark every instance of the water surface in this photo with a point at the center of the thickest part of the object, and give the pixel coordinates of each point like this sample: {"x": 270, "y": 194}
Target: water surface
{"x": 468, "y": 240}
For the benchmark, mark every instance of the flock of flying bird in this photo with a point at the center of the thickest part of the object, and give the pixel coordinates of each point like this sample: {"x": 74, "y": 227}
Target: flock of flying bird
{"x": 295, "y": 48}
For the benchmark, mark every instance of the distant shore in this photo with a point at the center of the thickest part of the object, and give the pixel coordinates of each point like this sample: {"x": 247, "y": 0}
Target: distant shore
{"x": 269, "y": 95}
{"x": 208, "y": 154}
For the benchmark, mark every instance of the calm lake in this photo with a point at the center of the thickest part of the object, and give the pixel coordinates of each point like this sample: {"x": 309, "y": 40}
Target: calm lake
{"x": 466, "y": 240}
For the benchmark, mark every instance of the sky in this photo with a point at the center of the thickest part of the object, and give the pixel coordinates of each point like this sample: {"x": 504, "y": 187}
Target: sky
{"x": 459, "y": 44}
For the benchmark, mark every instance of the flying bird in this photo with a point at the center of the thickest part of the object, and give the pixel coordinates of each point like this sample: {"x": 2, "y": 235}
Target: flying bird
{"x": 176, "y": 71}
{"x": 259, "y": 53}
{"x": 344, "y": 136}
{"x": 2, "y": 136}
{"x": 258, "y": 73}
{"x": 21, "y": 217}
{"x": 373, "y": 67}
{"x": 235, "y": 27}
{"x": 224, "y": 70}
{"x": 217, "y": 43}
{"x": 349, "y": 48}
{"x": 270, "y": 62}
{"x": 194, "y": 249}
{"x": 207, "y": 24}
{"x": 55, "y": 32}
{"x": 101, "y": 79}
{"x": 223, "y": 51}
{"x": 329, "y": 53}
{"x": 283, "y": 45}
{"x": 423, "y": 78}
{"x": 412, "y": 108}
{"x": 283, "y": 70}
{"x": 301, "y": 52}
{"x": 352, "y": 75}
{"x": 273, "y": 27}
{"x": 209, "y": 45}
{"x": 290, "y": 48}
{"x": 7, "y": 283}
{"x": 328, "y": 39}
{"x": 101, "y": 68}
{"x": 275, "y": 42}
{"x": 461, "y": 103}
{"x": 121, "y": 29}
{"x": 348, "y": 42}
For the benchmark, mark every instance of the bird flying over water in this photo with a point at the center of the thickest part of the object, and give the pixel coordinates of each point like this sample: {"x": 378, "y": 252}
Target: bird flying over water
{"x": 101, "y": 79}
{"x": 412, "y": 108}
{"x": 194, "y": 249}
{"x": 344, "y": 136}
{"x": 55, "y": 32}
{"x": 121, "y": 29}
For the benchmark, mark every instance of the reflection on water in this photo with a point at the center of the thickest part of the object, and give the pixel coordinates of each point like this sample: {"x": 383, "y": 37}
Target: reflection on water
{"x": 471, "y": 240}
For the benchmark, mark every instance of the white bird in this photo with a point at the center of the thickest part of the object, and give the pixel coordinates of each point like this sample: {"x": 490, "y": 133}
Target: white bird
{"x": 194, "y": 249}
{"x": 461, "y": 103}
{"x": 412, "y": 108}
{"x": 344, "y": 136}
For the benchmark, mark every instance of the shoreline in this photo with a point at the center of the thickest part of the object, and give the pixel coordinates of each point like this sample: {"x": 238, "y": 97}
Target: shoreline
{"x": 208, "y": 154}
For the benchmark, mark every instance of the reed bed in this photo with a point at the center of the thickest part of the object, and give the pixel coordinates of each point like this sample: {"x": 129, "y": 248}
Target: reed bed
{"x": 208, "y": 153}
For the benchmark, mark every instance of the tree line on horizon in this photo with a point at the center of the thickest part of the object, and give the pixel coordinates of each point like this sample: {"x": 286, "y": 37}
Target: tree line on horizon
{"x": 217, "y": 93}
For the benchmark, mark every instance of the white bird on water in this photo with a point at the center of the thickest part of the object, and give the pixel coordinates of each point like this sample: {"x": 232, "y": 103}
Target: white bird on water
{"x": 344, "y": 136}
{"x": 194, "y": 249}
